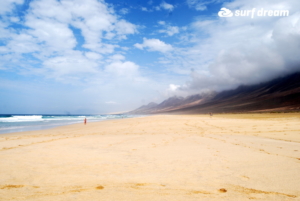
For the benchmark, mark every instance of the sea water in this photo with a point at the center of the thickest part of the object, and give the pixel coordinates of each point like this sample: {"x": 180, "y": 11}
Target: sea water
{"x": 17, "y": 123}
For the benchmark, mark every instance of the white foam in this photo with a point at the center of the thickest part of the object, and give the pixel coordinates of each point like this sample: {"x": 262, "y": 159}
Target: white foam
{"x": 22, "y": 118}
{"x": 48, "y": 118}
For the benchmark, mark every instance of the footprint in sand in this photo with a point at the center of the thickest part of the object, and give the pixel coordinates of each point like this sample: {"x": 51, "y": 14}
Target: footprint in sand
{"x": 222, "y": 190}
{"x": 243, "y": 177}
{"x": 99, "y": 187}
{"x": 11, "y": 186}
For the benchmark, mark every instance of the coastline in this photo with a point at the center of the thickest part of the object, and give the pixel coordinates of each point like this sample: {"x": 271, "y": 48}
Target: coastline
{"x": 13, "y": 123}
{"x": 162, "y": 157}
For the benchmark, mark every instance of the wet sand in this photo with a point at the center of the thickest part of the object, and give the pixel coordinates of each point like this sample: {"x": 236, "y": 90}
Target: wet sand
{"x": 179, "y": 157}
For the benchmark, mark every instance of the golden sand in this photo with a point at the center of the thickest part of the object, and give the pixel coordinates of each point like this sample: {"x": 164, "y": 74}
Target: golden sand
{"x": 180, "y": 157}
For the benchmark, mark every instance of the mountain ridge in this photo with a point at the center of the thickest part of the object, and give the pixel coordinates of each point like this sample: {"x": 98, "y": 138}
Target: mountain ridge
{"x": 280, "y": 94}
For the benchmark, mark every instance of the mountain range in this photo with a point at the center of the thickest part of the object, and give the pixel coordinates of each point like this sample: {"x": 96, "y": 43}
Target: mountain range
{"x": 281, "y": 94}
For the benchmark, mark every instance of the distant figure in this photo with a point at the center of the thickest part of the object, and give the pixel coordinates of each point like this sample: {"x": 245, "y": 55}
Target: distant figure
{"x": 210, "y": 114}
{"x": 84, "y": 121}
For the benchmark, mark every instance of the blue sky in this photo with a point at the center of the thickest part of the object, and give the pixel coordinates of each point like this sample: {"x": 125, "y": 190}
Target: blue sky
{"x": 94, "y": 56}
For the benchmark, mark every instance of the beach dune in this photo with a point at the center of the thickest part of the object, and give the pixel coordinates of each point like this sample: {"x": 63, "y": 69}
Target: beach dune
{"x": 163, "y": 157}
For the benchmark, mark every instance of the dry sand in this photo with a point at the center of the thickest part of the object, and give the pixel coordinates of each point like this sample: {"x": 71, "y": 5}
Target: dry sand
{"x": 226, "y": 157}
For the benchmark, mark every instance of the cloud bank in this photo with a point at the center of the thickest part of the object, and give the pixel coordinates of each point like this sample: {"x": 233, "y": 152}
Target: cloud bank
{"x": 49, "y": 36}
{"x": 228, "y": 52}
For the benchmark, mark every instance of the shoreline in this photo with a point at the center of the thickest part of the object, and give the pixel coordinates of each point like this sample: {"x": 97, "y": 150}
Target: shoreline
{"x": 46, "y": 124}
{"x": 162, "y": 157}
{"x": 62, "y": 127}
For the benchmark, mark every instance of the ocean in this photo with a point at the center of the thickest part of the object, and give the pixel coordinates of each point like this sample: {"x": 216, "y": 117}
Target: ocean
{"x": 17, "y": 123}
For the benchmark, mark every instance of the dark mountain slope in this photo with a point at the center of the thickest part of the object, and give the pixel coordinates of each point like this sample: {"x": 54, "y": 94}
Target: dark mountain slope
{"x": 281, "y": 94}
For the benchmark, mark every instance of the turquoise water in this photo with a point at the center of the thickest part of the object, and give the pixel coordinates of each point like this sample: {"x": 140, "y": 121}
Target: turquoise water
{"x": 17, "y": 123}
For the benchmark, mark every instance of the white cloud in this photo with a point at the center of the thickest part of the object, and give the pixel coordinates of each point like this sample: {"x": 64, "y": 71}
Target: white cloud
{"x": 200, "y": 5}
{"x": 8, "y": 5}
{"x": 123, "y": 27}
{"x": 144, "y": 9}
{"x": 166, "y": 6}
{"x": 101, "y": 48}
{"x": 170, "y": 30}
{"x": 69, "y": 64}
{"x": 23, "y": 43}
{"x": 93, "y": 55}
{"x": 173, "y": 87}
{"x": 15, "y": 19}
{"x": 124, "y": 11}
{"x": 49, "y": 36}
{"x": 154, "y": 45}
{"x": 56, "y": 36}
{"x": 93, "y": 18}
{"x": 240, "y": 50}
{"x": 122, "y": 69}
{"x": 161, "y": 22}
{"x": 117, "y": 57}
{"x": 4, "y": 32}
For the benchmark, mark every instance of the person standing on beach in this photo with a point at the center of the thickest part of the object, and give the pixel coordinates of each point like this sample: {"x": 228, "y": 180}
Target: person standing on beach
{"x": 84, "y": 121}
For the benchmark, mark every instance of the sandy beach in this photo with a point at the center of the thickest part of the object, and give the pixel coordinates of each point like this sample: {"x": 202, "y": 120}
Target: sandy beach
{"x": 155, "y": 158}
